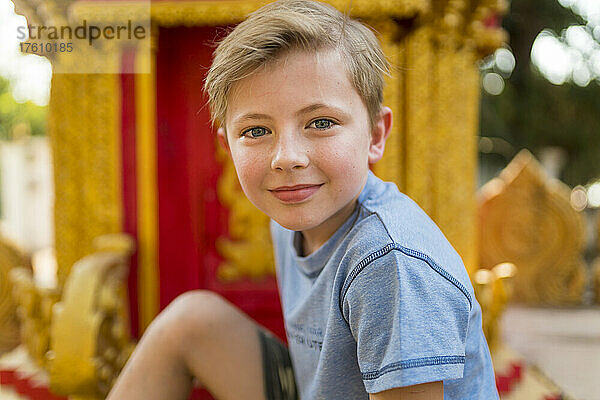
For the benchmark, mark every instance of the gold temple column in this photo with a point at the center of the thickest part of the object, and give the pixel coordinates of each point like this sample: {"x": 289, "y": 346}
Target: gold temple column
{"x": 419, "y": 118}
{"x": 434, "y": 93}
{"x": 391, "y": 167}
{"x": 147, "y": 187}
{"x": 454, "y": 152}
{"x": 84, "y": 130}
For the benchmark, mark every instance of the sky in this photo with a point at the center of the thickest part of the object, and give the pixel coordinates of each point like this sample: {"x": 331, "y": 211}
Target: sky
{"x": 560, "y": 57}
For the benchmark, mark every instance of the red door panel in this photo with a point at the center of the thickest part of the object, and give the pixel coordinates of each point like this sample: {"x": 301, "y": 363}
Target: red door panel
{"x": 190, "y": 216}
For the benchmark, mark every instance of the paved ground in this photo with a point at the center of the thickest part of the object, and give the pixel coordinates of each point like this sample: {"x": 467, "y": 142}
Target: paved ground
{"x": 563, "y": 343}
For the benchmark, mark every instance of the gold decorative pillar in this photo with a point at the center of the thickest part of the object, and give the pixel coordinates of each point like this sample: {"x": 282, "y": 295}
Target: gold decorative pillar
{"x": 454, "y": 152}
{"x": 418, "y": 122}
{"x": 390, "y": 168}
{"x": 432, "y": 153}
{"x": 84, "y": 130}
{"x": 147, "y": 186}
{"x": 527, "y": 219}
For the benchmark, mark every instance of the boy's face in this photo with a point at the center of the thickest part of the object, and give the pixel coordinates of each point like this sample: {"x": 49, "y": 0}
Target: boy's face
{"x": 299, "y": 137}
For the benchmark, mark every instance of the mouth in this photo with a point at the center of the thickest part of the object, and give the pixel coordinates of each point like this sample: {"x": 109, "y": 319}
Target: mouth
{"x": 295, "y": 194}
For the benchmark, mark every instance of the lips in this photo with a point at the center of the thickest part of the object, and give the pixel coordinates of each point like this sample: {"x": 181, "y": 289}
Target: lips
{"x": 295, "y": 194}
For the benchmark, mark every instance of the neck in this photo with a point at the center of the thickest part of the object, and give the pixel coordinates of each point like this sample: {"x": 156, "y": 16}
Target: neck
{"x": 313, "y": 239}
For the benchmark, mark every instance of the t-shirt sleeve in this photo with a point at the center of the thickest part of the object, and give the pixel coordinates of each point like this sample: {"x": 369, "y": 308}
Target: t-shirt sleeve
{"x": 409, "y": 319}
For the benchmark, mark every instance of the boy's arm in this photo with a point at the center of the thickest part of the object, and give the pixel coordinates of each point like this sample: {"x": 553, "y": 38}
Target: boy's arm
{"x": 425, "y": 391}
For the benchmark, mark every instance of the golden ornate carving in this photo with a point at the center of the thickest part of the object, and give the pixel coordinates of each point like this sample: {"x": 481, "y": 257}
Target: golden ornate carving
{"x": 216, "y": 13}
{"x": 90, "y": 340}
{"x": 526, "y": 218}
{"x": 419, "y": 134}
{"x": 248, "y": 250}
{"x": 487, "y": 38}
{"x": 390, "y": 167}
{"x": 34, "y": 309}
{"x": 35, "y": 14}
{"x": 83, "y": 126}
{"x": 454, "y": 152}
{"x": 493, "y": 289}
{"x": 10, "y": 257}
{"x": 89, "y": 326}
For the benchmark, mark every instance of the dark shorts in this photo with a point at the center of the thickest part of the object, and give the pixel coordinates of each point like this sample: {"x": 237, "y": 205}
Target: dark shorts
{"x": 279, "y": 380}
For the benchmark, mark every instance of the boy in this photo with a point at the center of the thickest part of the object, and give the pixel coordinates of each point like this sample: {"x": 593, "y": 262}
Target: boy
{"x": 377, "y": 304}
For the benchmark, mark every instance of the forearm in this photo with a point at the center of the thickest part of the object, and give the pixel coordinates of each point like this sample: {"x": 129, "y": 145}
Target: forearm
{"x": 424, "y": 391}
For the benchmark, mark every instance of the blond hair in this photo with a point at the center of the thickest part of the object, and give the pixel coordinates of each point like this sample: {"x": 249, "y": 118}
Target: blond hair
{"x": 304, "y": 25}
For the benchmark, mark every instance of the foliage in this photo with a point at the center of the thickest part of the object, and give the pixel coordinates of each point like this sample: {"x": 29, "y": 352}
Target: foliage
{"x": 13, "y": 114}
{"x": 533, "y": 113}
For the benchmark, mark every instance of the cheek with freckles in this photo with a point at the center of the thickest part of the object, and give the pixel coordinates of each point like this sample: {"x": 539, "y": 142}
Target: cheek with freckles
{"x": 343, "y": 160}
{"x": 250, "y": 170}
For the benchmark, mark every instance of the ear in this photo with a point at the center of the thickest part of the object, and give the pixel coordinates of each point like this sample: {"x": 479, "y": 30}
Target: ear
{"x": 380, "y": 133}
{"x": 222, "y": 136}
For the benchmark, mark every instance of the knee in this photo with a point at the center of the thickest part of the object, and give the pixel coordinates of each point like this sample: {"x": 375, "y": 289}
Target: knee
{"x": 194, "y": 315}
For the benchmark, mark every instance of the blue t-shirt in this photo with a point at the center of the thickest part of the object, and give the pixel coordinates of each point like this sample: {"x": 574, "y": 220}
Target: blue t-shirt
{"x": 385, "y": 302}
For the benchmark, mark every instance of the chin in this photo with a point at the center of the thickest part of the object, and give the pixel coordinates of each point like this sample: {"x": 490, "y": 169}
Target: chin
{"x": 295, "y": 223}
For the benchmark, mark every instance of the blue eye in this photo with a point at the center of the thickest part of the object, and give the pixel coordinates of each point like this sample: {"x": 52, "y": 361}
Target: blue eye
{"x": 255, "y": 132}
{"x": 322, "y": 124}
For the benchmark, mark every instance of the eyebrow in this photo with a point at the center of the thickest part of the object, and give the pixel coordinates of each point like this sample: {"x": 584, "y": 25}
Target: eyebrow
{"x": 305, "y": 110}
{"x": 251, "y": 117}
{"x": 315, "y": 107}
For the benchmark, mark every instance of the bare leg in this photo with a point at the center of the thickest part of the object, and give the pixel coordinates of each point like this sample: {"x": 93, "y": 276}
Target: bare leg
{"x": 199, "y": 335}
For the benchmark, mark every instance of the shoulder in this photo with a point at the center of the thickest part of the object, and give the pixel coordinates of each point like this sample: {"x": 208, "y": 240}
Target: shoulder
{"x": 406, "y": 224}
{"x": 407, "y": 276}
{"x": 395, "y": 236}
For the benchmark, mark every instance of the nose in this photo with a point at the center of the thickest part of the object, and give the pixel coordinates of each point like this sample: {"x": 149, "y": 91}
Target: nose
{"x": 290, "y": 151}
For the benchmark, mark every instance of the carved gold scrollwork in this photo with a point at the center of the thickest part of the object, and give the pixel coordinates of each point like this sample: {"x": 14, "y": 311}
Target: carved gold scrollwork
{"x": 526, "y": 218}
{"x": 390, "y": 168}
{"x": 493, "y": 289}
{"x": 84, "y": 130}
{"x": 34, "y": 309}
{"x": 247, "y": 251}
{"x": 215, "y": 13}
{"x": 487, "y": 38}
{"x": 90, "y": 340}
{"x": 10, "y": 258}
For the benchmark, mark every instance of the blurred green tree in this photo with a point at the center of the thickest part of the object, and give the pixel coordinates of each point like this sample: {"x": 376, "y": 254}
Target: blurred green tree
{"x": 531, "y": 112}
{"x": 13, "y": 114}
